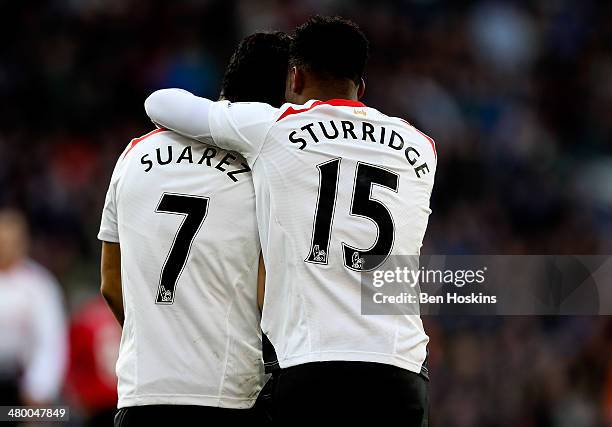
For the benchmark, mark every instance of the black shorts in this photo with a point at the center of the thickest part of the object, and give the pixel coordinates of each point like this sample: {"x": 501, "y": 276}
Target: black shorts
{"x": 350, "y": 394}
{"x": 187, "y": 415}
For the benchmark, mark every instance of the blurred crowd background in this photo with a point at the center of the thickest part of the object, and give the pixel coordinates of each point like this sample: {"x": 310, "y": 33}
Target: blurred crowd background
{"x": 517, "y": 95}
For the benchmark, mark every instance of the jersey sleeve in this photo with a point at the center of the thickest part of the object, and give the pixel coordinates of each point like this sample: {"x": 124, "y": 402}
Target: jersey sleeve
{"x": 180, "y": 111}
{"x": 109, "y": 231}
{"x": 239, "y": 126}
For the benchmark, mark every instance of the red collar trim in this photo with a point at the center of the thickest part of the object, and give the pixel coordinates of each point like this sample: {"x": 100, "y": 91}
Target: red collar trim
{"x": 344, "y": 103}
{"x": 137, "y": 140}
{"x": 333, "y": 102}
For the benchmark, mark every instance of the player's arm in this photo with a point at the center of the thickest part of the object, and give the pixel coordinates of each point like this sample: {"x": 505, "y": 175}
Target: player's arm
{"x": 180, "y": 111}
{"x": 110, "y": 262}
{"x": 110, "y": 271}
{"x": 240, "y": 126}
{"x": 261, "y": 282}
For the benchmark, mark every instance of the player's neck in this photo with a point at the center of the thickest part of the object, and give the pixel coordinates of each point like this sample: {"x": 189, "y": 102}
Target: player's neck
{"x": 325, "y": 92}
{"x": 7, "y": 265}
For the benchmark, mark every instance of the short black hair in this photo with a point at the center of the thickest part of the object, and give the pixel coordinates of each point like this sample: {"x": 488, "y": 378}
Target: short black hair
{"x": 257, "y": 71}
{"x": 332, "y": 47}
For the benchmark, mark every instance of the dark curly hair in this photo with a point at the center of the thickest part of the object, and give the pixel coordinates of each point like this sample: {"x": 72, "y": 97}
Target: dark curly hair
{"x": 332, "y": 47}
{"x": 257, "y": 70}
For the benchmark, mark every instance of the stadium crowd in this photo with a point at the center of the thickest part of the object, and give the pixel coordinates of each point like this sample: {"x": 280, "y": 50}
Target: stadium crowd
{"x": 517, "y": 95}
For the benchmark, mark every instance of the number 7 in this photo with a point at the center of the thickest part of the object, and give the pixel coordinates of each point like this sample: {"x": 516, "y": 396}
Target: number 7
{"x": 194, "y": 209}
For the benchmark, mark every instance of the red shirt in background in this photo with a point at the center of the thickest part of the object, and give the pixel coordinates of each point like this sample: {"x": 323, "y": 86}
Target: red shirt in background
{"x": 94, "y": 346}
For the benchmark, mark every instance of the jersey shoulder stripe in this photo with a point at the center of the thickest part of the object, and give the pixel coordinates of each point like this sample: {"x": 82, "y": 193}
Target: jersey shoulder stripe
{"x": 430, "y": 139}
{"x": 142, "y": 138}
{"x": 333, "y": 102}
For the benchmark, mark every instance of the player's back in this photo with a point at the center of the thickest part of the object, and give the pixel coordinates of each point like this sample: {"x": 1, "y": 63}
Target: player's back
{"x": 189, "y": 254}
{"x": 341, "y": 187}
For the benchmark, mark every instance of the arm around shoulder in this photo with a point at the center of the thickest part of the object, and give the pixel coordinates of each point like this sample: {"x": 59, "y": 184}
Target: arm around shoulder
{"x": 180, "y": 111}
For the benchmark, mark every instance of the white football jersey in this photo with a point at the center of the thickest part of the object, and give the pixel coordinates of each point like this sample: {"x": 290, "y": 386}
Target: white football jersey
{"x": 340, "y": 187}
{"x": 183, "y": 213}
{"x": 33, "y": 330}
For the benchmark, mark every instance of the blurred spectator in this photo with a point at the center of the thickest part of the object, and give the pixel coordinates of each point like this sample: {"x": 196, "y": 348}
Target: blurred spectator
{"x": 94, "y": 346}
{"x": 33, "y": 336}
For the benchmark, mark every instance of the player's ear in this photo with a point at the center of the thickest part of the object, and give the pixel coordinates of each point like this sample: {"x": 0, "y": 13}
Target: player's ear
{"x": 361, "y": 88}
{"x": 289, "y": 85}
{"x": 297, "y": 80}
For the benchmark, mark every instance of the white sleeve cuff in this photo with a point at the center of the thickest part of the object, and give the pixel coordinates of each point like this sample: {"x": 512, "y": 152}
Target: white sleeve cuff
{"x": 108, "y": 236}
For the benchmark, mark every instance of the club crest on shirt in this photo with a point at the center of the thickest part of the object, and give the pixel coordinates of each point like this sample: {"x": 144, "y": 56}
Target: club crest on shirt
{"x": 357, "y": 261}
{"x": 318, "y": 255}
{"x": 165, "y": 295}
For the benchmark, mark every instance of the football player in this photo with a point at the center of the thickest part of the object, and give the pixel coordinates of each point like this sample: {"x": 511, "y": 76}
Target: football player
{"x": 180, "y": 259}
{"x": 340, "y": 188}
